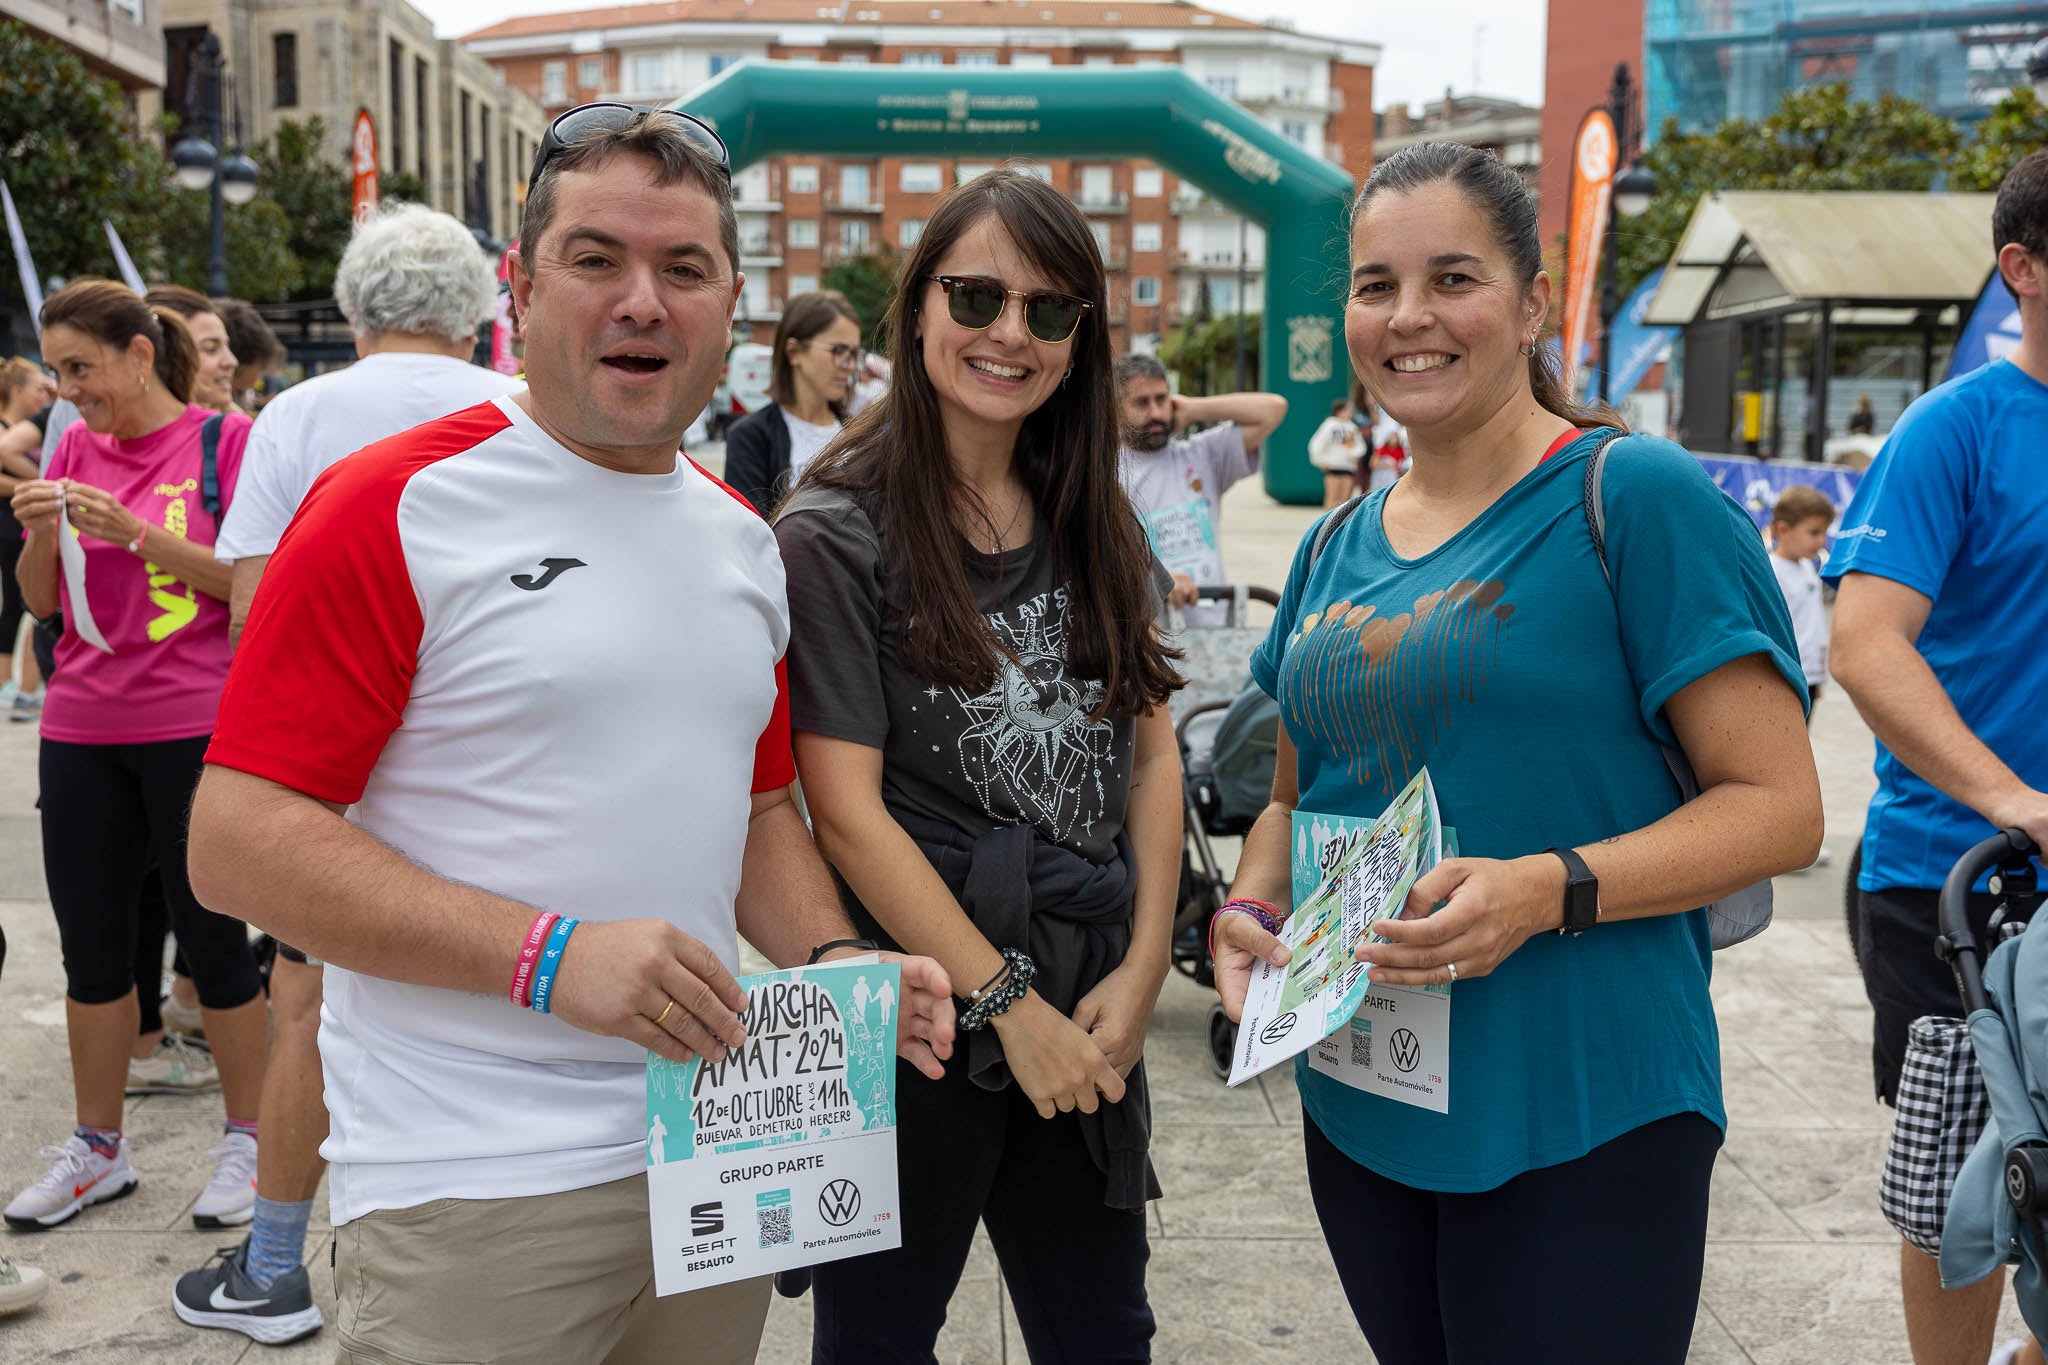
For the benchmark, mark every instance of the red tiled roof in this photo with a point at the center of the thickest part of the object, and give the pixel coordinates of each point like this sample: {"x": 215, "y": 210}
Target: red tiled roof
{"x": 855, "y": 15}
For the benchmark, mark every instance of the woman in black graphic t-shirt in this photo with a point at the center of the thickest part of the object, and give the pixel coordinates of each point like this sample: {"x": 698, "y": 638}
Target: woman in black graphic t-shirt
{"x": 978, "y": 697}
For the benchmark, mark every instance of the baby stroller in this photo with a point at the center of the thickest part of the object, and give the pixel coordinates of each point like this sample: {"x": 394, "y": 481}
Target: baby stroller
{"x": 1998, "y": 1209}
{"x": 1228, "y": 731}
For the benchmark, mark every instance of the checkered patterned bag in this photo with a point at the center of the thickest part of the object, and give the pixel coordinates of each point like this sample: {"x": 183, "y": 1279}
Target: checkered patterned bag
{"x": 1942, "y": 1111}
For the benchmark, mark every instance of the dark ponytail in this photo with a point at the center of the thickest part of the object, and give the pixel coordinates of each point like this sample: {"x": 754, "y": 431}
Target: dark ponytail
{"x": 1498, "y": 193}
{"x": 113, "y": 315}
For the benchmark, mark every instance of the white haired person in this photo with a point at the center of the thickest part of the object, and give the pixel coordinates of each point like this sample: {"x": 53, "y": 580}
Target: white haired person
{"x": 415, "y": 287}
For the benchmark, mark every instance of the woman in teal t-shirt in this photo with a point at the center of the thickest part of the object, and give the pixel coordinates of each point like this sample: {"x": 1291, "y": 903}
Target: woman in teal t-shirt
{"x": 1555, "y": 1209}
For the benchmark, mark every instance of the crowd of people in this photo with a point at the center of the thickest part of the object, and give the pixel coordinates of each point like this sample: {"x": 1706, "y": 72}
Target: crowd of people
{"x": 426, "y": 663}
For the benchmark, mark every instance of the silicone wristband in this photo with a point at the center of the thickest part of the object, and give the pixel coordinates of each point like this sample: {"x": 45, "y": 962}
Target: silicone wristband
{"x": 1258, "y": 910}
{"x": 529, "y": 955}
{"x": 550, "y": 961}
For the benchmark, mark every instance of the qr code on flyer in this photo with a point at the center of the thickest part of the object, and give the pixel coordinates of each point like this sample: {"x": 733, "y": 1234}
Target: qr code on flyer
{"x": 775, "y": 1226}
{"x": 1361, "y": 1046}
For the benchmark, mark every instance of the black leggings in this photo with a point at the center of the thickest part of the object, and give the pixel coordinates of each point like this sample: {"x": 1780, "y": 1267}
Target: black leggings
{"x": 1075, "y": 1267}
{"x": 1593, "y": 1262}
{"x": 109, "y": 812}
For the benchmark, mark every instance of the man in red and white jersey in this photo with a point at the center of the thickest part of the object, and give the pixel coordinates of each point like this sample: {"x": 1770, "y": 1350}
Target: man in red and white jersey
{"x": 539, "y": 657}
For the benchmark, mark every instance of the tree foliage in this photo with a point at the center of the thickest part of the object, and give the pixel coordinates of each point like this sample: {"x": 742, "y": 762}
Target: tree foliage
{"x": 71, "y": 156}
{"x": 2017, "y": 125}
{"x": 1204, "y": 352}
{"x": 311, "y": 186}
{"x": 261, "y": 266}
{"x": 1818, "y": 139}
{"x": 868, "y": 281}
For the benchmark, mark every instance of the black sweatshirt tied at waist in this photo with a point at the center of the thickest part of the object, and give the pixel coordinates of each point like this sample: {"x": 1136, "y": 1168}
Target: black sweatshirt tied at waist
{"x": 1072, "y": 917}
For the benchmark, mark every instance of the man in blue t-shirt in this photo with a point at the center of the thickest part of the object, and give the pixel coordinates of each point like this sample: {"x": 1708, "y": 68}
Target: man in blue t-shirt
{"x": 1943, "y": 568}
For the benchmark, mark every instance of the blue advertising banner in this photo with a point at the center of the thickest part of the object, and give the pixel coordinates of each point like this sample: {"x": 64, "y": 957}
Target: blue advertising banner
{"x": 1757, "y": 484}
{"x": 1636, "y": 347}
{"x": 1992, "y": 331}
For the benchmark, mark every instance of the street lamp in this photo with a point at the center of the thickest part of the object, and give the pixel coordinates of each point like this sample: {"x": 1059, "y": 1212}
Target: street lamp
{"x": 2037, "y": 70}
{"x": 200, "y": 166}
{"x": 1632, "y": 191}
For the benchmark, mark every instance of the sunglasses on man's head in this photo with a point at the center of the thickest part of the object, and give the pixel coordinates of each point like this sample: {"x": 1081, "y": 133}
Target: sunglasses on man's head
{"x": 976, "y": 303}
{"x": 616, "y": 118}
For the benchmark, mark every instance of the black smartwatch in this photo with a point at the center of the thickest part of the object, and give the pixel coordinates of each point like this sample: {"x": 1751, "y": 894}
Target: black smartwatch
{"x": 1581, "y": 893}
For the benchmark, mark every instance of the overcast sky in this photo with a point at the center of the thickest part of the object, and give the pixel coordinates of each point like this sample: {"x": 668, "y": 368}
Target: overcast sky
{"x": 1492, "y": 47}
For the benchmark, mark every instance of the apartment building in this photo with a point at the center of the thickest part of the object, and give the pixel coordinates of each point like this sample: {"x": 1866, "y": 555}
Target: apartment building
{"x": 122, "y": 40}
{"x": 1170, "y": 249}
{"x": 1510, "y": 130}
{"x": 442, "y": 113}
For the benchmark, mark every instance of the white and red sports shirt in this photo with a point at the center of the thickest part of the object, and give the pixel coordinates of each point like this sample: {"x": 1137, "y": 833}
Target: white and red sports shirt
{"x": 542, "y": 677}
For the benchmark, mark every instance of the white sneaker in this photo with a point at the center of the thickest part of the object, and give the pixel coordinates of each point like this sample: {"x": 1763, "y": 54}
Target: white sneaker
{"x": 20, "y": 1286}
{"x": 229, "y": 1199}
{"x": 180, "y": 1018}
{"x": 175, "y": 1068}
{"x": 78, "y": 1178}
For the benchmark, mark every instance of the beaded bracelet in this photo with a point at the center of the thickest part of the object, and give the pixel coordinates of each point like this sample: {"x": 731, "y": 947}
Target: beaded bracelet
{"x": 992, "y": 1002}
{"x": 529, "y": 956}
{"x": 1265, "y": 913}
{"x": 550, "y": 961}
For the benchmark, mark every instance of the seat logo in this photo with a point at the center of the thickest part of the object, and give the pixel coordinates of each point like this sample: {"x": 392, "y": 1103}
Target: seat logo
{"x": 555, "y": 569}
{"x": 838, "y": 1202}
{"x": 707, "y": 1219}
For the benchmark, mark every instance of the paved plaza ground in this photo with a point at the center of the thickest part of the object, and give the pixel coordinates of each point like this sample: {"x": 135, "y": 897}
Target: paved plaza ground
{"x": 1800, "y": 1266}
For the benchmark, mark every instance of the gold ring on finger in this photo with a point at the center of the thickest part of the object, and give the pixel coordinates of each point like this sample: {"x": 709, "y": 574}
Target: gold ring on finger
{"x": 664, "y": 1011}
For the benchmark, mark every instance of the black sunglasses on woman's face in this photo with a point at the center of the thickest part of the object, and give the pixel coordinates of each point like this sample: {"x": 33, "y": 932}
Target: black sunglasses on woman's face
{"x": 975, "y": 303}
{"x": 613, "y": 118}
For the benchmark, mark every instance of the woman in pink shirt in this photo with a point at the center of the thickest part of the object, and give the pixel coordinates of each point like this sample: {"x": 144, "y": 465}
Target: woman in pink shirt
{"x": 140, "y": 663}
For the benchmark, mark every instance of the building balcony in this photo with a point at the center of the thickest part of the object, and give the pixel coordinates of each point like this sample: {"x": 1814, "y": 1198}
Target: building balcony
{"x": 831, "y": 253}
{"x": 743, "y": 201}
{"x": 772, "y": 313}
{"x": 1187, "y": 200}
{"x": 837, "y": 202}
{"x": 1217, "y": 260}
{"x": 760, "y": 251}
{"x": 1293, "y": 97}
{"x": 1113, "y": 201}
{"x": 1116, "y": 258}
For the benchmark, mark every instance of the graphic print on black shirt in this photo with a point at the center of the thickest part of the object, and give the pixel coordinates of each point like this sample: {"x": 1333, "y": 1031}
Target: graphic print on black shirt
{"x": 1029, "y": 743}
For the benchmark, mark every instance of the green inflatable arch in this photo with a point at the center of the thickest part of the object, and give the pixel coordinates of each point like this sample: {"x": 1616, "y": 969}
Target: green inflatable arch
{"x": 779, "y": 108}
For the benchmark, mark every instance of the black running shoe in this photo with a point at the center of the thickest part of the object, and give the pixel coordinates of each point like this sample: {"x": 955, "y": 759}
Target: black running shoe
{"x": 219, "y": 1294}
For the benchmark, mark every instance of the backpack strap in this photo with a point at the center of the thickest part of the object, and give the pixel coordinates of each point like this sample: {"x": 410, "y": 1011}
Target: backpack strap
{"x": 209, "y": 465}
{"x": 1329, "y": 529}
{"x": 1596, "y": 508}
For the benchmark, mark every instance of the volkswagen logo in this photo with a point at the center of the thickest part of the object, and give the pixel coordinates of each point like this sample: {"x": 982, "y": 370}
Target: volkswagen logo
{"x": 839, "y": 1202}
{"x": 1405, "y": 1049}
{"x": 1278, "y": 1028}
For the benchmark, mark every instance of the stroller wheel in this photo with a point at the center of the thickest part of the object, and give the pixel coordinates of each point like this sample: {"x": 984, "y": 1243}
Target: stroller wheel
{"x": 2026, "y": 1178}
{"x": 1222, "y": 1041}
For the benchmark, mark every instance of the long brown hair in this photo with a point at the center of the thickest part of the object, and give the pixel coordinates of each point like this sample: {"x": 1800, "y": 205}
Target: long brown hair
{"x": 1498, "y": 193}
{"x": 113, "y": 315}
{"x": 805, "y": 316}
{"x": 892, "y": 454}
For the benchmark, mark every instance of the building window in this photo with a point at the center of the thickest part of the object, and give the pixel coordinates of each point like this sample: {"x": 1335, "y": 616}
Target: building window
{"x": 647, "y": 72}
{"x": 974, "y": 59}
{"x": 853, "y": 237}
{"x": 1295, "y": 131}
{"x": 1101, "y": 233}
{"x": 908, "y": 231}
{"x": 1098, "y": 59}
{"x": 803, "y": 178}
{"x": 394, "y": 60}
{"x": 924, "y": 59}
{"x": 923, "y": 177}
{"x": 964, "y": 171}
{"x": 1146, "y": 237}
{"x": 853, "y": 59}
{"x": 1145, "y": 290}
{"x": 554, "y": 83}
{"x": 422, "y": 144}
{"x": 803, "y": 232}
{"x": 1031, "y": 59}
{"x": 853, "y": 186}
{"x": 1225, "y": 86}
{"x": 590, "y": 73}
{"x": 802, "y": 284}
{"x": 1148, "y": 183}
{"x": 721, "y": 60}
{"x": 284, "y": 70}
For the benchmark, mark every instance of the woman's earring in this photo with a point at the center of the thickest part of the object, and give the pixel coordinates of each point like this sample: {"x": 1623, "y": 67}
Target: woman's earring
{"x": 1527, "y": 348}
{"x": 142, "y": 383}
{"x": 1065, "y": 377}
